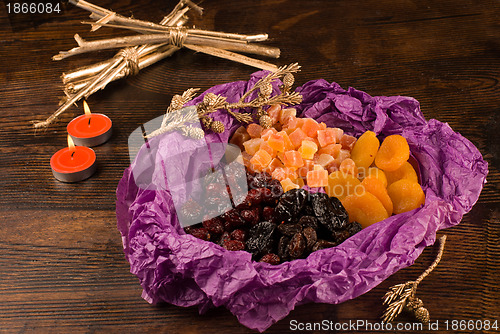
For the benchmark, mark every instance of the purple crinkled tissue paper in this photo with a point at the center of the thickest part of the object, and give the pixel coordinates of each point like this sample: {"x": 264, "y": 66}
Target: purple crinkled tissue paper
{"x": 177, "y": 268}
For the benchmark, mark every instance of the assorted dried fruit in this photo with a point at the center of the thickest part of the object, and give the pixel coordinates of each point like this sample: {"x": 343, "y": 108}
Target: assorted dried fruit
{"x": 275, "y": 226}
{"x": 358, "y": 182}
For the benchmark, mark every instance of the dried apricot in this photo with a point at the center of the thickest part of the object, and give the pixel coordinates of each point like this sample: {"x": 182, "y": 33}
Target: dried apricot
{"x": 364, "y": 150}
{"x": 341, "y": 184}
{"x": 404, "y": 172}
{"x": 377, "y": 188}
{"x": 374, "y": 172}
{"x": 406, "y": 195}
{"x": 365, "y": 208}
{"x": 393, "y": 153}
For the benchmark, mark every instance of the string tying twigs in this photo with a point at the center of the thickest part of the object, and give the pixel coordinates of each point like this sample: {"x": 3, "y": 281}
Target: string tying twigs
{"x": 403, "y": 295}
{"x": 154, "y": 43}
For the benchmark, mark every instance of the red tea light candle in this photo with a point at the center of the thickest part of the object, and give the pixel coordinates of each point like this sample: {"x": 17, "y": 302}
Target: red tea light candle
{"x": 73, "y": 163}
{"x": 90, "y": 129}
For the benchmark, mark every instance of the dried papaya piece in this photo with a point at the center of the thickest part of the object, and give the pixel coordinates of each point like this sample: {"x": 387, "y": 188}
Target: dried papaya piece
{"x": 393, "y": 153}
{"x": 406, "y": 195}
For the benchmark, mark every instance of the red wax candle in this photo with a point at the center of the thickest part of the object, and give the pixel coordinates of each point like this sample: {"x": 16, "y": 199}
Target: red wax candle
{"x": 73, "y": 163}
{"x": 90, "y": 129}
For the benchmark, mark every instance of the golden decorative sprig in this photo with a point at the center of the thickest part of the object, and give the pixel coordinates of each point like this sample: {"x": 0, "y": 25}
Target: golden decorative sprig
{"x": 212, "y": 102}
{"x": 157, "y": 42}
{"x": 402, "y": 296}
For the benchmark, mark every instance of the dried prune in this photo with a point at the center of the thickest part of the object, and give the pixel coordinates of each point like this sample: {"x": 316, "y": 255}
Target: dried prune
{"x": 214, "y": 225}
{"x": 233, "y": 245}
{"x": 310, "y": 235}
{"x": 353, "y": 228}
{"x": 270, "y": 258}
{"x": 322, "y": 244}
{"x": 283, "y": 247}
{"x": 296, "y": 246}
{"x": 340, "y": 236}
{"x": 307, "y": 210}
{"x": 260, "y": 237}
{"x": 239, "y": 235}
{"x": 324, "y": 211}
{"x": 290, "y": 204}
{"x": 309, "y": 221}
{"x": 200, "y": 233}
{"x": 339, "y": 209}
{"x": 289, "y": 229}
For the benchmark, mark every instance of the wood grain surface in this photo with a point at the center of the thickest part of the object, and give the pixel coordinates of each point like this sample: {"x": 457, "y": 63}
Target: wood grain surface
{"x": 62, "y": 267}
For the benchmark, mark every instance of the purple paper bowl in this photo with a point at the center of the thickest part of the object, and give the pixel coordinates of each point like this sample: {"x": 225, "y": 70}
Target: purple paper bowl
{"x": 177, "y": 268}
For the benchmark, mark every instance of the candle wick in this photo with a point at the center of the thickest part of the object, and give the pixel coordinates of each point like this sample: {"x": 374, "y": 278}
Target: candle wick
{"x": 90, "y": 118}
{"x": 72, "y": 153}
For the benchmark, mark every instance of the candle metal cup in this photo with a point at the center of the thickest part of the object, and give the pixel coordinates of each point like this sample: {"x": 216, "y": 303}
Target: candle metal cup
{"x": 91, "y": 130}
{"x": 73, "y": 165}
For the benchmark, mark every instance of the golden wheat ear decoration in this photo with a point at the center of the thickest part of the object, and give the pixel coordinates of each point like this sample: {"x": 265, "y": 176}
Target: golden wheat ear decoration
{"x": 401, "y": 296}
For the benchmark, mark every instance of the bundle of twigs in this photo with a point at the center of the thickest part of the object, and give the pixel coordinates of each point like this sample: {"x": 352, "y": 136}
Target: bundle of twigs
{"x": 154, "y": 43}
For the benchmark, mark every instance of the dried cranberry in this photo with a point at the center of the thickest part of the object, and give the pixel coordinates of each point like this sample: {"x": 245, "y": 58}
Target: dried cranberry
{"x": 224, "y": 237}
{"x": 233, "y": 217}
{"x": 251, "y": 215}
{"x": 239, "y": 235}
{"x": 253, "y": 197}
{"x": 214, "y": 225}
{"x": 260, "y": 180}
{"x": 233, "y": 245}
{"x": 200, "y": 233}
{"x": 268, "y": 213}
{"x": 270, "y": 258}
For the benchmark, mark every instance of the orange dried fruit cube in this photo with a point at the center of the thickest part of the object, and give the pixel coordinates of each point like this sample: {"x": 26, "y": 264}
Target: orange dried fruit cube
{"x": 338, "y": 134}
{"x": 310, "y": 127}
{"x": 393, "y": 153}
{"x": 365, "y": 149}
{"x": 265, "y": 146}
{"x": 252, "y": 145}
{"x": 296, "y": 137}
{"x": 274, "y": 112}
{"x": 404, "y": 172}
{"x": 325, "y": 160}
{"x": 307, "y": 149}
{"x": 341, "y": 184}
{"x": 308, "y": 165}
{"x": 347, "y": 142}
{"x": 276, "y": 142}
{"x": 266, "y": 133}
{"x": 374, "y": 172}
{"x": 286, "y": 139}
{"x": 349, "y": 167}
{"x": 343, "y": 154}
{"x": 327, "y": 137}
{"x": 254, "y": 130}
{"x": 285, "y": 114}
{"x": 291, "y": 123}
{"x": 365, "y": 208}
{"x": 317, "y": 178}
{"x": 294, "y": 159}
{"x": 288, "y": 184}
{"x": 406, "y": 195}
{"x": 261, "y": 159}
{"x": 332, "y": 149}
{"x": 376, "y": 187}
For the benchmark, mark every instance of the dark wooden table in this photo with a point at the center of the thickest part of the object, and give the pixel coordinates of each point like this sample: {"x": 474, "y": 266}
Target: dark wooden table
{"x": 62, "y": 267}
